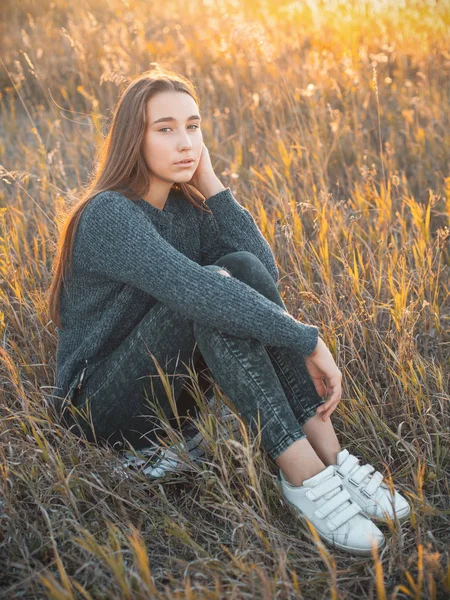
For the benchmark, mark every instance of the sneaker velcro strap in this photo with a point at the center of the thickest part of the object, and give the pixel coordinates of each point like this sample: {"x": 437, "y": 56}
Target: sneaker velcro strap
{"x": 373, "y": 484}
{"x": 326, "y": 486}
{"x": 168, "y": 459}
{"x": 360, "y": 474}
{"x": 332, "y": 504}
{"x": 347, "y": 465}
{"x": 350, "y": 511}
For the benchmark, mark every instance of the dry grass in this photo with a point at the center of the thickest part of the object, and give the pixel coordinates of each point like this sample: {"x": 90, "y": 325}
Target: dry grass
{"x": 330, "y": 121}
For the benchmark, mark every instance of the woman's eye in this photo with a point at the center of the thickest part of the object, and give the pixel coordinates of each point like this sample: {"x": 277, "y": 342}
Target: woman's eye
{"x": 169, "y": 127}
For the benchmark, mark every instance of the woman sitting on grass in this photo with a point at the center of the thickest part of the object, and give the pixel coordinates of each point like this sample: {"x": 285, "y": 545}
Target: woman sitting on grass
{"x": 167, "y": 267}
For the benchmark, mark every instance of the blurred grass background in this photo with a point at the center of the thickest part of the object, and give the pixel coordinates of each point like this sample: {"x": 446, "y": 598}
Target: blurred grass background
{"x": 330, "y": 122}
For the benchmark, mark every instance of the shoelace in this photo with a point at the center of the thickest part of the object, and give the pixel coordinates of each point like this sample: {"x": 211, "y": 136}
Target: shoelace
{"x": 336, "y": 497}
{"x": 358, "y": 474}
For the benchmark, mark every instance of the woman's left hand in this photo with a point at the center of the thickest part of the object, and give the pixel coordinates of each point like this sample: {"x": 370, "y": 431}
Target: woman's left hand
{"x": 320, "y": 364}
{"x": 204, "y": 174}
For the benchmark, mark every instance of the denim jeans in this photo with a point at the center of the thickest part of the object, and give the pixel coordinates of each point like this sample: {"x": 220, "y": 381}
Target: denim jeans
{"x": 269, "y": 383}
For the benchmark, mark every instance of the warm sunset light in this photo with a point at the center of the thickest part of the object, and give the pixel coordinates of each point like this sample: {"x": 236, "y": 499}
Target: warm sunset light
{"x": 224, "y": 299}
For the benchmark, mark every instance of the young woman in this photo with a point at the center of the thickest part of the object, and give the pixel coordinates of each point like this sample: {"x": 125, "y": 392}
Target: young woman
{"x": 159, "y": 265}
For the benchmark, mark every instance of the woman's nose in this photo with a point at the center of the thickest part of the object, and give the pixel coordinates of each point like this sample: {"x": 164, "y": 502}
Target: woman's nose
{"x": 185, "y": 145}
{"x": 185, "y": 142}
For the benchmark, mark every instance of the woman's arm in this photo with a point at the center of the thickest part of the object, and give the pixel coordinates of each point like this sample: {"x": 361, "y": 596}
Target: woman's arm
{"x": 116, "y": 241}
{"x": 230, "y": 228}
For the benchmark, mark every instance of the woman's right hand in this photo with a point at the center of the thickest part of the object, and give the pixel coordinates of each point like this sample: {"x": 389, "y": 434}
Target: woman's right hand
{"x": 321, "y": 365}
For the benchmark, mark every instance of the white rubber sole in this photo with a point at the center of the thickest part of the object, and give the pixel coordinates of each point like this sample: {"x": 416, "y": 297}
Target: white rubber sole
{"x": 345, "y": 548}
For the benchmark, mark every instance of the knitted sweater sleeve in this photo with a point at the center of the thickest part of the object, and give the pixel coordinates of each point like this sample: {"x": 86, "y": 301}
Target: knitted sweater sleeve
{"x": 231, "y": 227}
{"x": 118, "y": 242}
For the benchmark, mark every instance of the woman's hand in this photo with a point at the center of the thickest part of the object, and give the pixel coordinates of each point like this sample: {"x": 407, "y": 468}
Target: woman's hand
{"x": 204, "y": 178}
{"x": 320, "y": 364}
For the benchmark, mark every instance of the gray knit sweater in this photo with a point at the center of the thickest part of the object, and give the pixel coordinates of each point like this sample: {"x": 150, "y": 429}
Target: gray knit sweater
{"x": 128, "y": 254}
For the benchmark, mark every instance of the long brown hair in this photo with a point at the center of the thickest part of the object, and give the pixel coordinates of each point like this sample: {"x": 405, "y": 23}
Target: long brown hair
{"x": 121, "y": 166}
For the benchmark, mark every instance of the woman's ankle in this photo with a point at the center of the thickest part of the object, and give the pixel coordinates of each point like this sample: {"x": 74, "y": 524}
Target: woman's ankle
{"x": 299, "y": 462}
{"x": 322, "y": 437}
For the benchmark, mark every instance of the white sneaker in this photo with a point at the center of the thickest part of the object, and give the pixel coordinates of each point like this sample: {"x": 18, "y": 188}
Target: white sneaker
{"x": 156, "y": 462}
{"x": 329, "y": 507}
{"x": 170, "y": 461}
{"x": 368, "y": 490}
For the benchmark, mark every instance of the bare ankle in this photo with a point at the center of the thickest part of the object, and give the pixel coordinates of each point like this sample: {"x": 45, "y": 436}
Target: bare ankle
{"x": 299, "y": 462}
{"x": 323, "y": 438}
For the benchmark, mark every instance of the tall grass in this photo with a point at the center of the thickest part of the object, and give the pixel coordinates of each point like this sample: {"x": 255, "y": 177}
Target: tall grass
{"x": 330, "y": 122}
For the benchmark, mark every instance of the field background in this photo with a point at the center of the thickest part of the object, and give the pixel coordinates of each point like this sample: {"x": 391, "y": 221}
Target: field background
{"x": 330, "y": 122}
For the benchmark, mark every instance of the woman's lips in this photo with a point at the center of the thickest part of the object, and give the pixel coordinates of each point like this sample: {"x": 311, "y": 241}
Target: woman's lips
{"x": 185, "y": 163}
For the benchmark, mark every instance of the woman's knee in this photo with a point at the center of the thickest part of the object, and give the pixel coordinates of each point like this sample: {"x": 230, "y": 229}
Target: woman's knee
{"x": 218, "y": 269}
{"x": 249, "y": 269}
{"x": 222, "y": 271}
{"x": 243, "y": 263}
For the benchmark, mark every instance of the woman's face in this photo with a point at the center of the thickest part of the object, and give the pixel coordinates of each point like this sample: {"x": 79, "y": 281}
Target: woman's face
{"x": 168, "y": 141}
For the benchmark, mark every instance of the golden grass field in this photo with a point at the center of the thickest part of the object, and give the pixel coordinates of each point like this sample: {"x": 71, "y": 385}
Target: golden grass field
{"x": 331, "y": 123}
